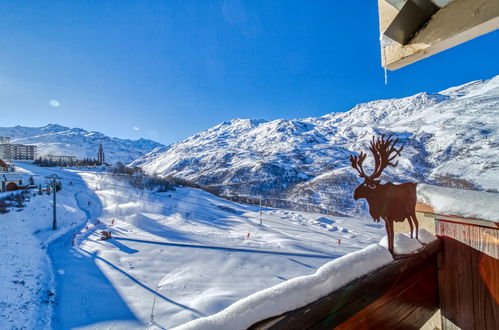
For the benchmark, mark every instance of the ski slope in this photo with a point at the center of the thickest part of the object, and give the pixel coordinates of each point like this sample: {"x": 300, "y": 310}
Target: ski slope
{"x": 27, "y": 287}
{"x": 185, "y": 252}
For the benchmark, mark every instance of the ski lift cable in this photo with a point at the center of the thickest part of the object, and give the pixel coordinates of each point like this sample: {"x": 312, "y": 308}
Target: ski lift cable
{"x": 137, "y": 190}
{"x": 176, "y": 207}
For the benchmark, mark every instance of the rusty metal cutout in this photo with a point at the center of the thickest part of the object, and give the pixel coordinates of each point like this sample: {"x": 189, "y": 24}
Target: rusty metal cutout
{"x": 390, "y": 202}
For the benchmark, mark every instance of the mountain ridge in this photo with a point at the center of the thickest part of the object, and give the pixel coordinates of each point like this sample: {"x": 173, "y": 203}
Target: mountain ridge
{"x": 451, "y": 135}
{"x": 56, "y": 139}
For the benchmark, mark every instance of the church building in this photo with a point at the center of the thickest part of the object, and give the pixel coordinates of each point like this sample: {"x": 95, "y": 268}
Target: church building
{"x": 100, "y": 155}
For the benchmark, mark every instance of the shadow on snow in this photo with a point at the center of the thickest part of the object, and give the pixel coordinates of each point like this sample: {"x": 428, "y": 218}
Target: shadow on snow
{"x": 84, "y": 295}
{"x": 222, "y": 248}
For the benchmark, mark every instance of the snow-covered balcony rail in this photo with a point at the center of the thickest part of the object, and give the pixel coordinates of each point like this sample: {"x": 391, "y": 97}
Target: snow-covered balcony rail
{"x": 350, "y": 286}
{"x": 401, "y": 294}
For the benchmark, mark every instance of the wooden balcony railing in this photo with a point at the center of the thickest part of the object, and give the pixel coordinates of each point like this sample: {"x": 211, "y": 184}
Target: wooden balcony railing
{"x": 403, "y": 294}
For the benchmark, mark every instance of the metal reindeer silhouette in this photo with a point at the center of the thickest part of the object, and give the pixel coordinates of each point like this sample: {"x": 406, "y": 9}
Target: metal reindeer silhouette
{"x": 390, "y": 202}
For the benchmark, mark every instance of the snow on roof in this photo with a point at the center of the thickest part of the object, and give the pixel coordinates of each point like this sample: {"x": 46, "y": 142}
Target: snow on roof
{"x": 460, "y": 202}
{"x": 296, "y": 292}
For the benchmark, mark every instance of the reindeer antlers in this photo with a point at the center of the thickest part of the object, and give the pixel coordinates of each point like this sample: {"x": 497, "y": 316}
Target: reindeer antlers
{"x": 384, "y": 153}
{"x": 382, "y": 150}
{"x": 357, "y": 163}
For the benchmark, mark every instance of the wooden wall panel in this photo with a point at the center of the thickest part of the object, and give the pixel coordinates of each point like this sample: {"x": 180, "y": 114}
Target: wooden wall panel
{"x": 485, "y": 272}
{"x": 456, "y": 291}
{"x": 469, "y": 276}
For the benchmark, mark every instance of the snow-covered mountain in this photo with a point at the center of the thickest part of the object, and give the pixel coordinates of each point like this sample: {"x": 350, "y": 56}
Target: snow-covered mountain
{"x": 451, "y": 137}
{"x": 60, "y": 140}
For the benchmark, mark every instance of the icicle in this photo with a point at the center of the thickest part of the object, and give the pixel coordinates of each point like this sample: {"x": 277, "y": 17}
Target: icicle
{"x": 384, "y": 41}
{"x": 384, "y": 66}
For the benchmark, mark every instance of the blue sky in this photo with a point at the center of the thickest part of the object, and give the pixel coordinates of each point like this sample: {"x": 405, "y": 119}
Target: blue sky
{"x": 168, "y": 69}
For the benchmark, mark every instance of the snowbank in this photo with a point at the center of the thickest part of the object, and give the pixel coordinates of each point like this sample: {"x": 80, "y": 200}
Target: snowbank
{"x": 402, "y": 244}
{"x": 425, "y": 237}
{"x": 460, "y": 202}
{"x": 296, "y": 292}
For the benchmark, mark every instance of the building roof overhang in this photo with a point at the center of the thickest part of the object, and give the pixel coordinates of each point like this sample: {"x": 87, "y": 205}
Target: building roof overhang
{"x": 411, "y": 30}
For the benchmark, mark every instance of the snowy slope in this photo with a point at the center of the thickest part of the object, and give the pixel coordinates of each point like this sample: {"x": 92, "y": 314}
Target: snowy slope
{"x": 27, "y": 282}
{"x": 60, "y": 140}
{"x": 187, "y": 248}
{"x": 452, "y": 134}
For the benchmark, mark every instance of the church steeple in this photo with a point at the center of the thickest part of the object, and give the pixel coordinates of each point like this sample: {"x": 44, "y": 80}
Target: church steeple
{"x": 100, "y": 155}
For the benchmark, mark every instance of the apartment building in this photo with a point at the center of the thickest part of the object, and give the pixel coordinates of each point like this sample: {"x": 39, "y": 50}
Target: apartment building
{"x": 17, "y": 152}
